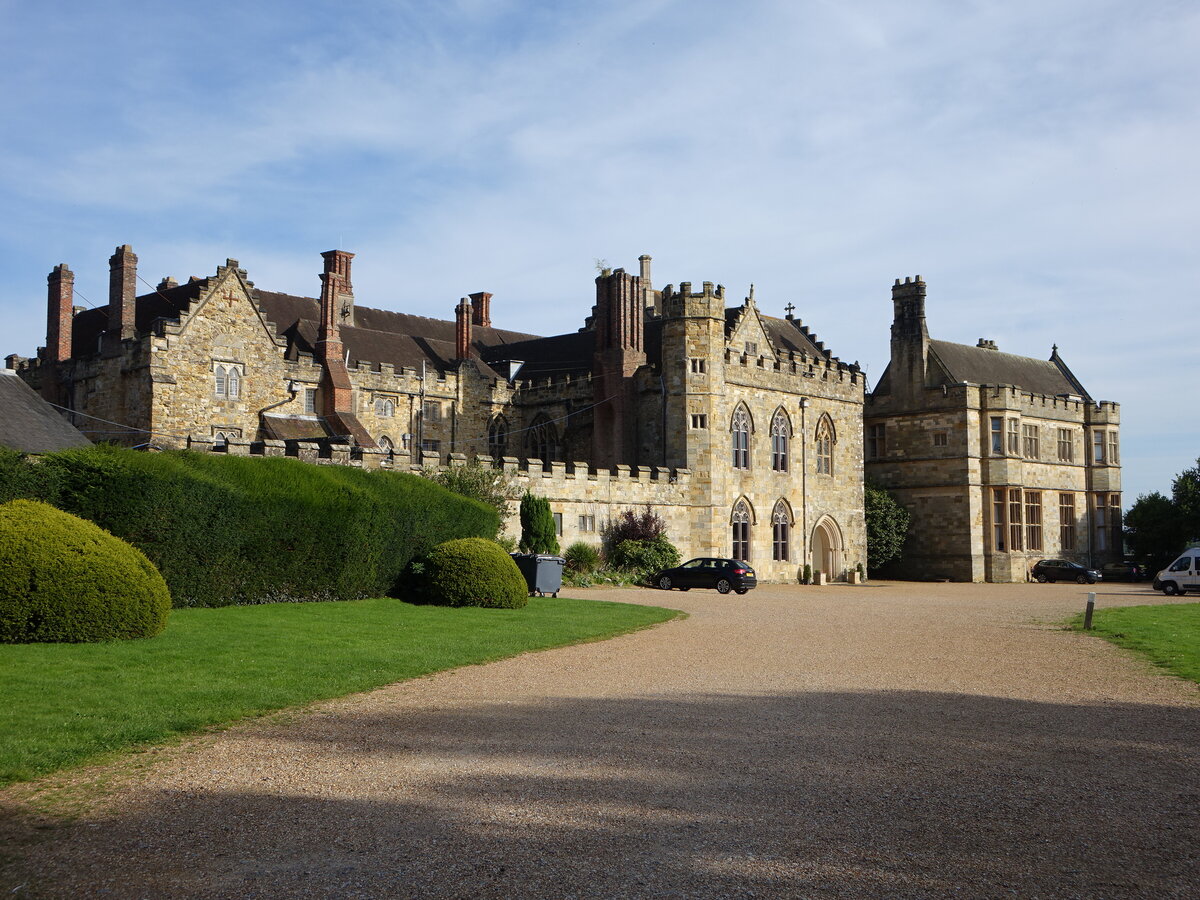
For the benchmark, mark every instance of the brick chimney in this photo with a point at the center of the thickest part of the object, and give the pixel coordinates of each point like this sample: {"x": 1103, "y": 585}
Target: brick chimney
{"x": 60, "y": 295}
{"x": 463, "y": 315}
{"x": 481, "y": 307}
{"x": 337, "y": 272}
{"x": 337, "y": 391}
{"x": 122, "y": 289}
{"x": 619, "y": 352}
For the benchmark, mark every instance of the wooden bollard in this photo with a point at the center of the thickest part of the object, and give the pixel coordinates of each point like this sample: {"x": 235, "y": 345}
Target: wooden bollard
{"x": 1087, "y": 615}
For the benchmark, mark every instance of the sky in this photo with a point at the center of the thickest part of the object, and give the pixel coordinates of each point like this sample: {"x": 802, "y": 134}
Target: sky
{"x": 1035, "y": 162}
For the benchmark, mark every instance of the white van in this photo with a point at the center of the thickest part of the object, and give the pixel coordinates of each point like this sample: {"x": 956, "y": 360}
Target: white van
{"x": 1182, "y": 575}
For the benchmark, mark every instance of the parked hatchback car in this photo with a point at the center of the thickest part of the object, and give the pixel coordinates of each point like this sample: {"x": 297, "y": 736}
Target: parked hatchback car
{"x": 1123, "y": 571}
{"x": 707, "y": 572}
{"x": 1064, "y": 570}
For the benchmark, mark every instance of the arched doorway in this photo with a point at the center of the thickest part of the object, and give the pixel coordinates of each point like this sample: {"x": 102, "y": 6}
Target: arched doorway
{"x": 827, "y": 548}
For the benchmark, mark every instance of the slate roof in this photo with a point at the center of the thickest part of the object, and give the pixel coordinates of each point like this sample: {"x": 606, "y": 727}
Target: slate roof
{"x": 380, "y": 336}
{"x": 980, "y": 365}
{"x": 30, "y": 424}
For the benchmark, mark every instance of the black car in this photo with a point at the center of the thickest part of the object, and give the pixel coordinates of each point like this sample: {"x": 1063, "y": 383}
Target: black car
{"x": 706, "y": 572}
{"x": 1123, "y": 571}
{"x": 1053, "y": 570}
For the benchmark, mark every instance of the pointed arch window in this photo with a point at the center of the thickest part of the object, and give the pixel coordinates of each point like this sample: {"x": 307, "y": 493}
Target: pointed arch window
{"x": 389, "y": 451}
{"x": 234, "y": 386}
{"x": 781, "y": 433}
{"x": 385, "y": 407}
{"x": 498, "y": 437}
{"x": 825, "y": 441}
{"x": 781, "y": 532}
{"x": 740, "y": 429}
{"x": 740, "y": 528}
{"x": 543, "y": 440}
{"x": 221, "y": 377}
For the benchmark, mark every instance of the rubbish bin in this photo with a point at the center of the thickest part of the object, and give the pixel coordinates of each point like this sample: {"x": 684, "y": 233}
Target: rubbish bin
{"x": 542, "y": 571}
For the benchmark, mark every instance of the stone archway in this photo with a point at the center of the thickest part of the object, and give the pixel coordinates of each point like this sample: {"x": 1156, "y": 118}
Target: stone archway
{"x": 827, "y": 547}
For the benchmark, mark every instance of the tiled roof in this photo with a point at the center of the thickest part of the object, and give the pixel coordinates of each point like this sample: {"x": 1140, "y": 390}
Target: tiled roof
{"x": 30, "y": 424}
{"x": 980, "y": 365}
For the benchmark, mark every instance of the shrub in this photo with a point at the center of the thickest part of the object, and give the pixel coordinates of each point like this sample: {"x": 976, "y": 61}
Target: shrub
{"x": 582, "y": 558}
{"x": 537, "y": 525}
{"x": 646, "y": 557}
{"x": 63, "y": 579}
{"x": 806, "y": 574}
{"x": 487, "y": 485}
{"x": 630, "y": 525}
{"x": 473, "y": 572}
{"x": 887, "y": 526}
{"x": 225, "y": 529}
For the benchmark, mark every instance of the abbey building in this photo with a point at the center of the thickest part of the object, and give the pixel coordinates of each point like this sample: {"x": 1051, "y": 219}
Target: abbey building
{"x": 741, "y": 429}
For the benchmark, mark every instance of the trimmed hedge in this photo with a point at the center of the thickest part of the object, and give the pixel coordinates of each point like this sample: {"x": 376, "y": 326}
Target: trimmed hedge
{"x": 473, "y": 572}
{"x": 63, "y": 579}
{"x": 225, "y": 530}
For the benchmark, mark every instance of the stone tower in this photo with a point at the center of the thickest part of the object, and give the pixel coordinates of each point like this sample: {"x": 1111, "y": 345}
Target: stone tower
{"x": 693, "y": 362}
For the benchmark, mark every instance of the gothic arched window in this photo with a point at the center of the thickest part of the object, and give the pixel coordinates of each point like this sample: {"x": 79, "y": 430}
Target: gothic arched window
{"x": 781, "y": 432}
{"x": 825, "y": 441}
{"x": 234, "y": 385}
{"x": 220, "y": 378}
{"x": 389, "y": 451}
{"x": 740, "y": 523}
{"x": 543, "y": 440}
{"x": 781, "y": 531}
{"x": 498, "y": 437}
{"x": 740, "y": 429}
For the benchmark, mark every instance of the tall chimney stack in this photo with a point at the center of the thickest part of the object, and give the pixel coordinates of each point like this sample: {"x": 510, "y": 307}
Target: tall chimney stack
{"x": 462, "y": 329}
{"x": 481, "y": 307}
{"x": 122, "y": 289}
{"x": 60, "y": 294}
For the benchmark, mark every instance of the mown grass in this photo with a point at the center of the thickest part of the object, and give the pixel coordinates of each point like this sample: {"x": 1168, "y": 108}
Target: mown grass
{"x": 67, "y": 704}
{"x": 1168, "y": 635}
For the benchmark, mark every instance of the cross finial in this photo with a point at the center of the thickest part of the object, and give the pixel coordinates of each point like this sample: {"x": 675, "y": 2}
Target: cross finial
{"x": 791, "y": 308}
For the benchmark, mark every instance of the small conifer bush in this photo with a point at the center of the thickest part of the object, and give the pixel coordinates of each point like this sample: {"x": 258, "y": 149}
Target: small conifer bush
{"x": 64, "y": 579}
{"x": 473, "y": 572}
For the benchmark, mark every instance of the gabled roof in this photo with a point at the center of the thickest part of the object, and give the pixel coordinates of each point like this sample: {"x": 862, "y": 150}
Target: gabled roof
{"x": 981, "y": 365}
{"x": 30, "y": 424}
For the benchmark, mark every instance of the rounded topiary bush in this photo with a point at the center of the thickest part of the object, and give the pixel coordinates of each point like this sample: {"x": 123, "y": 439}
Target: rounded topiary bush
{"x": 64, "y": 579}
{"x": 474, "y": 572}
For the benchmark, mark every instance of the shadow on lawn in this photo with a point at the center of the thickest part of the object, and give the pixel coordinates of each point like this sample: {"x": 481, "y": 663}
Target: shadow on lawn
{"x": 798, "y": 795}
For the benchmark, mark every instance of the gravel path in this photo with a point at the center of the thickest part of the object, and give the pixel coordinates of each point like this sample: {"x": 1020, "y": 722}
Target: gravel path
{"x": 887, "y": 740}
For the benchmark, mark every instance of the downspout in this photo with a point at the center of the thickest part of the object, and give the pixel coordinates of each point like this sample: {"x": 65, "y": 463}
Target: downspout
{"x": 804, "y": 479}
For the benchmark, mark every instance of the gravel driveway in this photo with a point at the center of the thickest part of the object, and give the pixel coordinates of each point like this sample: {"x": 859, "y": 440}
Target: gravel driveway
{"x": 888, "y": 740}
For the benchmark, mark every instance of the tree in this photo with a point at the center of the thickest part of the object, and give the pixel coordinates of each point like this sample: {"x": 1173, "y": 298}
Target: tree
{"x": 1185, "y": 493}
{"x": 1155, "y": 530}
{"x": 887, "y": 526}
{"x": 487, "y": 485}
{"x": 537, "y": 525}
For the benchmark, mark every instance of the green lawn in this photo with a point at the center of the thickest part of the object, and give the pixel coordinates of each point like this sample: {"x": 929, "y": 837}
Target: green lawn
{"x": 1169, "y": 635}
{"x": 65, "y": 704}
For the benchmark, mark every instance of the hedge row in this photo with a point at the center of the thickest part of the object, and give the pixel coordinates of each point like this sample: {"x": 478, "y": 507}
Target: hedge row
{"x": 227, "y": 530}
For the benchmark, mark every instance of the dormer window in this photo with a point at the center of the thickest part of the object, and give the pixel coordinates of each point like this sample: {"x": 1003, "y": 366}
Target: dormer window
{"x": 751, "y": 348}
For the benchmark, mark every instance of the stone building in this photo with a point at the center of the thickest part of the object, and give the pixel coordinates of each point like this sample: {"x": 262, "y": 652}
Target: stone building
{"x": 1001, "y": 459}
{"x": 739, "y": 428}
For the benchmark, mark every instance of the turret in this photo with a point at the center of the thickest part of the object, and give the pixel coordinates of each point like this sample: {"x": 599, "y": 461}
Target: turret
{"x": 910, "y": 340}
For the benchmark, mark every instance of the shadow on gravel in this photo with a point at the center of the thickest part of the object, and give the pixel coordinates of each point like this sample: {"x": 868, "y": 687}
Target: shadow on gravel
{"x": 900, "y": 794}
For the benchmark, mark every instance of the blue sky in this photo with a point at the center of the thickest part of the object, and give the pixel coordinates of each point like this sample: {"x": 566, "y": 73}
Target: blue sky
{"x": 1035, "y": 162}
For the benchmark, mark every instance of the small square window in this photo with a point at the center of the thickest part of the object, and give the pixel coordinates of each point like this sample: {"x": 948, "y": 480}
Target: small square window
{"x": 751, "y": 348}
{"x": 940, "y": 439}
{"x": 699, "y": 420}
{"x": 699, "y": 365}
